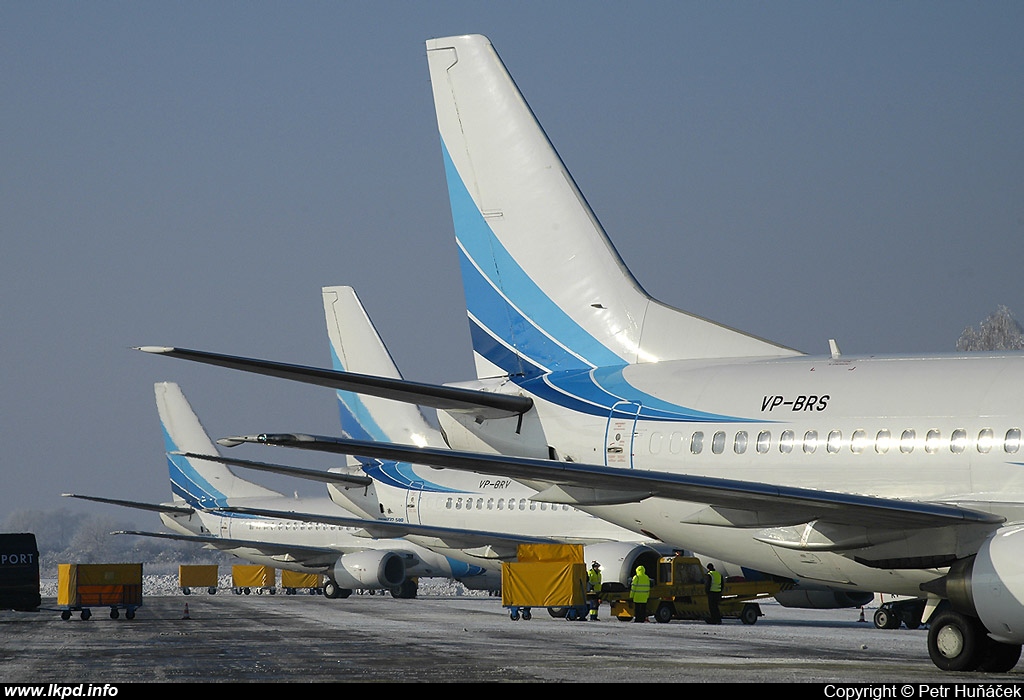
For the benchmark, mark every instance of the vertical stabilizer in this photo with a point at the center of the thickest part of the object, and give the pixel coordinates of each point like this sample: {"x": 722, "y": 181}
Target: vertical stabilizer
{"x": 195, "y": 481}
{"x": 357, "y": 347}
{"x": 545, "y": 288}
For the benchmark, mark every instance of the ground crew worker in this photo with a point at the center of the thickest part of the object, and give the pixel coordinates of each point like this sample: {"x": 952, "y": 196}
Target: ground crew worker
{"x": 713, "y": 587}
{"x": 594, "y": 589}
{"x": 640, "y": 591}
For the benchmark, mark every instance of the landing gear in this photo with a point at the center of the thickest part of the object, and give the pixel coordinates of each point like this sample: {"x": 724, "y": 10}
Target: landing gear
{"x": 333, "y": 590}
{"x": 956, "y": 642}
{"x": 407, "y": 589}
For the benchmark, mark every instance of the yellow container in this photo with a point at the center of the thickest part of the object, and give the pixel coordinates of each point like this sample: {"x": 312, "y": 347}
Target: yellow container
{"x": 197, "y": 575}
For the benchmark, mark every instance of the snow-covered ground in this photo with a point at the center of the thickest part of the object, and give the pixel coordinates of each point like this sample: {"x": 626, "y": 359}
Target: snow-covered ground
{"x": 167, "y": 584}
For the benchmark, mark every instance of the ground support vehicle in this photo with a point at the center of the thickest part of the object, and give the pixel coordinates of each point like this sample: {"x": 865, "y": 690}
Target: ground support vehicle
{"x": 246, "y": 578}
{"x": 549, "y": 576}
{"x": 678, "y": 593}
{"x": 892, "y": 614}
{"x": 19, "y": 572}
{"x": 197, "y": 577}
{"x": 81, "y": 587}
{"x": 293, "y": 581}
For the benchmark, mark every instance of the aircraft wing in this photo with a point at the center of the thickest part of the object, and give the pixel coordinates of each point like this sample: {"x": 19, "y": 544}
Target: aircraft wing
{"x": 298, "y": 472}
{"x": 156, "y": 507}
{"x": 481, "y": 403}
{"x": 307, "y": 556}
{"x": 764, "y": 505}
{"x": 500, "y": 545}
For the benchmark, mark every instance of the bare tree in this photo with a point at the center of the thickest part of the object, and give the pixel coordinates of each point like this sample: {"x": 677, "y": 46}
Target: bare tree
{"x": 999, "y": 331}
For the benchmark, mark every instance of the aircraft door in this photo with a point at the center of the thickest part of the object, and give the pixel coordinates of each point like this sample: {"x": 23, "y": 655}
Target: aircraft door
{"x": 412, "y": 502}
{"x": 620, "y": 434}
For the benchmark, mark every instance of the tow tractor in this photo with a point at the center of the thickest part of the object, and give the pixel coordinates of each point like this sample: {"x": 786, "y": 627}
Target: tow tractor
{"x": 678, "y": 593}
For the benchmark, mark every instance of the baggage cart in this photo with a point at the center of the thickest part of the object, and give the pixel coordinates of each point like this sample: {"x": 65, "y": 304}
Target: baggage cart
{"x": 544, "y": 575}
{"x": 246, "y": 578}
{"x": 81, "y": 587}
{"x": 198, "y": 576}
{"x": 293, "y": 581}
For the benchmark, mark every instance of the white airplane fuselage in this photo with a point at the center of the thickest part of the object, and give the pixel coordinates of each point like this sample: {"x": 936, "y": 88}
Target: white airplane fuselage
{"x": 943, "y": 429}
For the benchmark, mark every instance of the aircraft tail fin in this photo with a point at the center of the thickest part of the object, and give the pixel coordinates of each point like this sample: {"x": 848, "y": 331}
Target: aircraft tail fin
{"x": 357, "y": 347}
{"x": 198, "y": 482}
{"x": 545, "y": 288}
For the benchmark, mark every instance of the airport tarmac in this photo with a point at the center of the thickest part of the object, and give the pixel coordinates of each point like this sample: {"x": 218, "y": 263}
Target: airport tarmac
{"x": 305, "y": 638}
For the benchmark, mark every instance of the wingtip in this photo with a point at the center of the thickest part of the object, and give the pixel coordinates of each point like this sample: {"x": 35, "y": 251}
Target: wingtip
{"x": 154, "y": 349}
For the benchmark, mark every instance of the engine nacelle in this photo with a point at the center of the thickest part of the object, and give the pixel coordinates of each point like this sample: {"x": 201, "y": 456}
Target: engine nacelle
{"x": 822, "y": 598}
{"x": 370, "y": 569}
{"x": 990, "y": 585}
{"x": 619, "y": 560}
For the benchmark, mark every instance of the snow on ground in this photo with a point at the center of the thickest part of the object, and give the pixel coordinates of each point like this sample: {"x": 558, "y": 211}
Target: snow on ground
{"x": 167, "y": 584}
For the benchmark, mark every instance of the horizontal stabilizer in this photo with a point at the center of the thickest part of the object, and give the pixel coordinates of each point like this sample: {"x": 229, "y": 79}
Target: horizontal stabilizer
{"x": 454, "y": 399}
{"x": 306, "y": 555}
{"x": 298, "y": 472}
{"x": 156, "y": 507}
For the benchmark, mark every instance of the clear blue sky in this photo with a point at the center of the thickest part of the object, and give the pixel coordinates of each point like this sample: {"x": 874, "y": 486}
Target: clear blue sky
{"x": 191, "y": 173}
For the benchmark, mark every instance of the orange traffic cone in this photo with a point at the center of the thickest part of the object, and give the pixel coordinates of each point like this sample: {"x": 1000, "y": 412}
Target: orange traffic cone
{"x": 185, "y": 616}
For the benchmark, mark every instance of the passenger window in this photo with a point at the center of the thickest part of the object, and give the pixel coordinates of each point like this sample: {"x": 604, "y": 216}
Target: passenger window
{"x": 479, "y": 504}
{"x": 764, "y": 441}
{"x": 907, "y": 440}
{"x": 931, "y": 441}
{"x": 697, "y": 443}
{"x": 501, "y": 504}
{"x": 675, "y": 443}
{"x": 718, "y": 442}
{"x": 490, "y": 504}
{"x": 958, "y": 441}
{"x": 448, "y": 504}
{"x": 810, "y": 441}
{"x": 739, "y": 445}
{"x": 858, "y": 442}
{"x": 985, "y": 440}
{"x": 656, "y": 443}
{"x": 1012, "y": 442}
{"x": 883, "y": 441}
{"x": 458, "y": 504}
{"x": 835, "y": 441}
{"x": 786, "y": 442}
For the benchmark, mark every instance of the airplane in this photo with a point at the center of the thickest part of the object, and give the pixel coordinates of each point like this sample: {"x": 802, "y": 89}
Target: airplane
{"x": 887, "y": 473}
{"x": 340, "y": 547}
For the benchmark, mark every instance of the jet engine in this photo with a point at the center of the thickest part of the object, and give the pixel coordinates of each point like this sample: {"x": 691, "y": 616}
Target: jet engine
{"x": 990, "y": 585}
{"x": 619, "y": 560}
{"x": 370, "y": 569}
{"x": 822, "y": 598}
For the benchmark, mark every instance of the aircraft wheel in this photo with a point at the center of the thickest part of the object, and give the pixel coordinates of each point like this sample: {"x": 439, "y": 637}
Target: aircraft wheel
{"x": 664, "y": 613}
{"x": 956, "y": 642}
{"x": 999, "y": 657}
{"x": 885, "y": 620}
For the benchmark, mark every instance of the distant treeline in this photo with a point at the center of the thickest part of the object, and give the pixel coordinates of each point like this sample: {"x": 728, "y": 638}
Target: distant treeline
{"x": 68, "y": 537}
